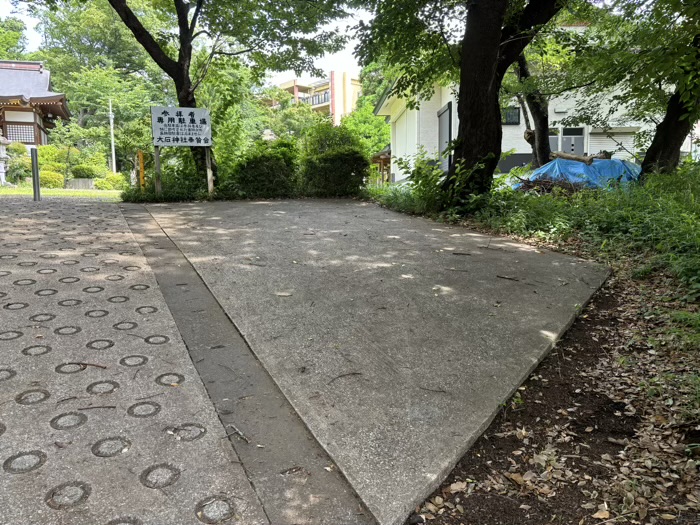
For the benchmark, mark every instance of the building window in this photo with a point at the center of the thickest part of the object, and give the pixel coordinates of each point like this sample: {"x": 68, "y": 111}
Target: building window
{"x": 511, "y": 116}
{"x": 445, "y": 135}
{"x": 20, "y": 133}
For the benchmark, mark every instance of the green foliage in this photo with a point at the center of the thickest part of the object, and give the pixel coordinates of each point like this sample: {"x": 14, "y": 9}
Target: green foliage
{"x": 17, "y": 149}
{"x": 112, "y": 181}
{"x": 654, "y": 225}
{"x": 117, "y": 180}
{"x": 415, "y": 39}
{"x": 58, "y": 154}
{"x": 50, "y": 179}
{"x": 103, "y": 184}
{"x": 373, "y": 133}
{"x": 325, "y": 137}
{"x": 87, "y": 171}
{"x": 12, "y": 38}
{"x": 19, "y": 168}
{"x": 293, "y": 119}
{"x": 399, "y": 197}
{"x": 425, "y": 177}
{"x": 337, "y": 172}
{"x": 269, "y": 170}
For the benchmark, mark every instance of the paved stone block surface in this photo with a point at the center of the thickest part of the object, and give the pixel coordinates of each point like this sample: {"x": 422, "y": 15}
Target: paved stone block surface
{"x": 395, "y": 338}
{"x": 103, "y": 418}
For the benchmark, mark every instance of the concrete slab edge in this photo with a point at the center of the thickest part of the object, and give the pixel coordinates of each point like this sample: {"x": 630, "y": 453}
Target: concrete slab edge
{"x": 400, "y": 520}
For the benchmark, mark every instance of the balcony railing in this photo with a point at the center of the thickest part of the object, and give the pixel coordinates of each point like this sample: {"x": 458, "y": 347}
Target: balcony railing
{"x": 315, "y": 100}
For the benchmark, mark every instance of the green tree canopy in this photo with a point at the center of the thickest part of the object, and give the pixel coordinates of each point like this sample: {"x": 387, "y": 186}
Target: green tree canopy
{"x": 13, "y": 41}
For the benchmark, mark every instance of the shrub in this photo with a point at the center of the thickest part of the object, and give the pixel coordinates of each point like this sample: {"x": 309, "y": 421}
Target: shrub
{"x": 335, "y": 173}
{"x": 399, "y": 197}
{"x": 655, "y": 224}
{"x": 325, "y": 137}
{"x": 17, "y": 149}
{"x": 103, "y": 184}
{"x": 60, "y": 154}
{"x": 50, "y": 179}
{"x": 426, "y": 177}
{"x": 19, "y": 168}
{"x": 86, "y": 171}
{"x": 117, "y": 180}
{"x": 52, "y": 166}
{"x": 269, "y": 170}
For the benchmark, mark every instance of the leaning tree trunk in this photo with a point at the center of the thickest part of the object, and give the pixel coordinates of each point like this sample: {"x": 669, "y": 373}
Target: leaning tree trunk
{"x": 478, "y": 145}
{"x": 664, "y": 152}
{"x": 539, "y": 109}
{"x": 529, "y": 134}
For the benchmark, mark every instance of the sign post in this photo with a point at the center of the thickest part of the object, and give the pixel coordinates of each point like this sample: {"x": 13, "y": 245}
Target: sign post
{"x": 181, "y": 127}
{"x": 156, "y": 159}
{"x": 210, "y": 173}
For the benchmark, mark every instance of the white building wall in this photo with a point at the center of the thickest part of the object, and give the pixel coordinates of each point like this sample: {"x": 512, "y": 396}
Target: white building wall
{"x": 514, "y": 137}
{"x": 412, "y": 128}
{"x": 19, "y": 116}
{"x": 428, "y": 129}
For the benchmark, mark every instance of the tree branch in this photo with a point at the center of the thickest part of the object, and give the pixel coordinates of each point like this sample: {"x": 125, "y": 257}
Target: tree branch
{"x": 516, "y": 36}
{"x": 195, "y": 16}
{"x": 206, "y": 66}
{"x": 145, "y": 38}
{"x": 234, "y": 53}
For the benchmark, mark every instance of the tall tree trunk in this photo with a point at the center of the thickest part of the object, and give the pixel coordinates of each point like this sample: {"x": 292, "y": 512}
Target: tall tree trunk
{"x": 178, "y": 70}
{"x": 186, "y": 99}
{"x": 539, "y": 109}
{"x": 488, "y": 49}
{"x": 478, "y": 145}
{"x": 664, "y": 152}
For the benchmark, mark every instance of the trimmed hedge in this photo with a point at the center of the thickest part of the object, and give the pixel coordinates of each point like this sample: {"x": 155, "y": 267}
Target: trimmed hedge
{"x": 335, "y": 173}
{"x": 86, "y": 171}
{"x": 50, "y": 179}
{"x": 269, "y": 170}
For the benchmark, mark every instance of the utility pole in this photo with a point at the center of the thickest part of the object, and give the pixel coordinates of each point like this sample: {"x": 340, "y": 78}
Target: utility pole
{"x": 111, "y": 133}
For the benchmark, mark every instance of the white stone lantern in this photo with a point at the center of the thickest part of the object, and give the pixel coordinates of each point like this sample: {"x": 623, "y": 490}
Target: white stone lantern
{"x": 3, "y": 158}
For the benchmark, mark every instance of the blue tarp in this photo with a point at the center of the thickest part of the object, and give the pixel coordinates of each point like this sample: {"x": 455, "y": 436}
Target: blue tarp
{"x": 600, "y": 174}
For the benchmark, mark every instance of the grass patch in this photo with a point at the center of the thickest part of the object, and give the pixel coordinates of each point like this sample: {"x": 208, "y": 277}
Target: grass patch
{"x": 105, "y": 195}
{"x": 398, "y": 197}
{"x": 655, "y": 227}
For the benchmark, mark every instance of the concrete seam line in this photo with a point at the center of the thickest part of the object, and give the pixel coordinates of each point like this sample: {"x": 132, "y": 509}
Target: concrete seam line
{"x": 147, "y": 215}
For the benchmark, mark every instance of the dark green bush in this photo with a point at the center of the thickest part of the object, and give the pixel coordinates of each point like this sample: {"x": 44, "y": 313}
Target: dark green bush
{"x": 269, "y": 171}
{"x": 335, "y": 173}
{"x": 86, "y": 171}
{"x": 178, "y": 185}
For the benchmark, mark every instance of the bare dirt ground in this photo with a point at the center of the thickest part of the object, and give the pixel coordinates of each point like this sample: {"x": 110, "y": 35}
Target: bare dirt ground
{"x": 606, "y": 430}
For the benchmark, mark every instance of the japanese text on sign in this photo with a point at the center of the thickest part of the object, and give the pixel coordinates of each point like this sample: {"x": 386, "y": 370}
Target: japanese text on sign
{"x": 181, "y": 126}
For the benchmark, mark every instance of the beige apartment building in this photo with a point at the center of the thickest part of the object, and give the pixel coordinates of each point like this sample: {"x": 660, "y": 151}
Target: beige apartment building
{"x": 336, "y": 96}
